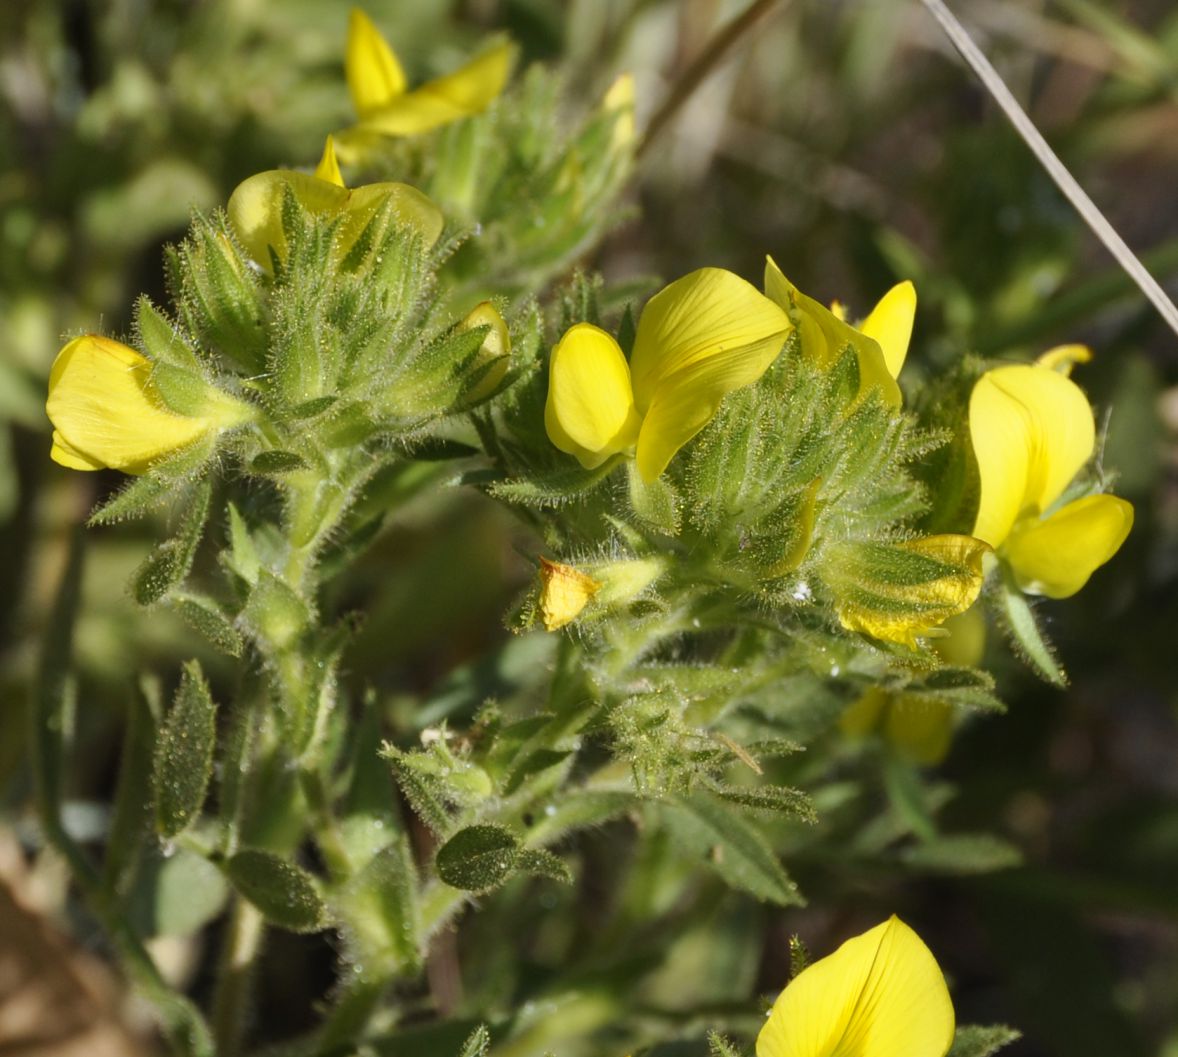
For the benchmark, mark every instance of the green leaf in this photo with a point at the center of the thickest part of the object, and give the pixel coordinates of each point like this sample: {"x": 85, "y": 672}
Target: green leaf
{"x": 543, "y": 863}
{"x": 276, "y": 463}
{"x": 718, "y": 1046}
{"x": 205, "y": 616}
{"x": 184, "y": 754}
{"x": 548, "y": 490}
{"x": 1018, "y": 619}
{"x": 379, "y": 912}
{"x": 285, "y": 893}
{"x": 962, "y": 854}
{"x": 776, "y": 798}
{"x": 478, "y": 1043}
{"x": 733, "y": 847}
{"x": 168, "y": 565}
{"x": 242, "y": 556}
{"x": 976, "y": 1041}
{"x": 177, "y": 895}
{"x": 477, "y": 858}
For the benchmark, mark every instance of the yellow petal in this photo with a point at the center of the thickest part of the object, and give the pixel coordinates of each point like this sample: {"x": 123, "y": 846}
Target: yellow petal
{"x": 965, "y": 643}
{"x": 564, "y": 592}
{"x": 410, "y": 208}
{"x": 710, "y": 313}
{"x": 328, "y": 167}
{"x": 920, "y": 728}
{"x": 619, "y": 101}
{"x": 824, "y": 335}
{"x": 105, "y": 412}
{"x": 900, "y": 599}
{"x": 1032, "y": 431}
{"x": 880, "y": 994}
{"x": 1056, "y": 555}
{"x": 374, "y": 75}
{"x": 468, "y": 90}
{"x": 1064, "y": 357}
{"x": 890, "y": 324}
{"x": 686, "y": 400}
{"x": 493, "y": 356}
{"x": 255, "y": 208}
{"x": 590, "y": 408}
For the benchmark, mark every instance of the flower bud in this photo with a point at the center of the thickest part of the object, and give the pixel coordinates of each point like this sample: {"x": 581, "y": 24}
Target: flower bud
{"x": 489, "y": 365}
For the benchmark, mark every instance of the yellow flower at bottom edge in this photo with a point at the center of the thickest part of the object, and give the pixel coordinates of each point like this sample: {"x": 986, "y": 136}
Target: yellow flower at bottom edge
{"x": 698, "y": 339}
{"x": 255, "y": 207}
{"x": 1032, "y": 431}
{"x": 880, "y": 994}
{"x": 880, "y": 341}
{"x": 383, "y": 102}
{"x": 105, "y": 413}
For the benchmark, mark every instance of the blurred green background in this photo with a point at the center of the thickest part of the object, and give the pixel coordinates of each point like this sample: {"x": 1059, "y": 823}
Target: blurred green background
{"x": 845, "y": 139}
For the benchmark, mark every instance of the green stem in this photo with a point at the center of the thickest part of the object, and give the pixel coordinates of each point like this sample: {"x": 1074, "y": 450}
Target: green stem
{"x": 235, "y": 974}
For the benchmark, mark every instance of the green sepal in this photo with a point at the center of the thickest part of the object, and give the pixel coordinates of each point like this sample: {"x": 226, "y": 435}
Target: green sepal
{"x": 162, "y": 342}
{"x": 277, "y": 463}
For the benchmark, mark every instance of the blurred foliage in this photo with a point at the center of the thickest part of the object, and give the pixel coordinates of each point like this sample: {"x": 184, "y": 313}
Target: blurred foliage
{"x": 840, "y": 138}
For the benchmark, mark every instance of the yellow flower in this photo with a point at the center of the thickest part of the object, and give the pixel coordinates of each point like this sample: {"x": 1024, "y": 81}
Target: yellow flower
{"x": 697, "y": 340}
{"x": 564, "y": 592}
{"x": 880, "y": 341}
{"x": 106, "y": 412}
{"x": 385, "y": 106}
{"x": 1032, "y": 431}
{"x": 880, "y": 994}
{"x": 255, "y": 207}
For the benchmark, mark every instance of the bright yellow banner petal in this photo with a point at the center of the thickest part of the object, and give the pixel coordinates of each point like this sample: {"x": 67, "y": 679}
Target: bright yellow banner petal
{"x": 105, "y": 413}
{"x": 375, "y": 77}
{"x": 880, "y": 994}
{"x": 824, "y": 335}
{"x": 1056, "y": 555}
{"x": 590, "y": 408}
{"x": 468, "y": 90}
{"x": 328, "y": 167}
{"x": 494, "y": 355}
{"x": 706, "y": 314}
{"x": 1032, "y": 430}
{"x": 686, "y": 400}
{"x": 890, "y": 324}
